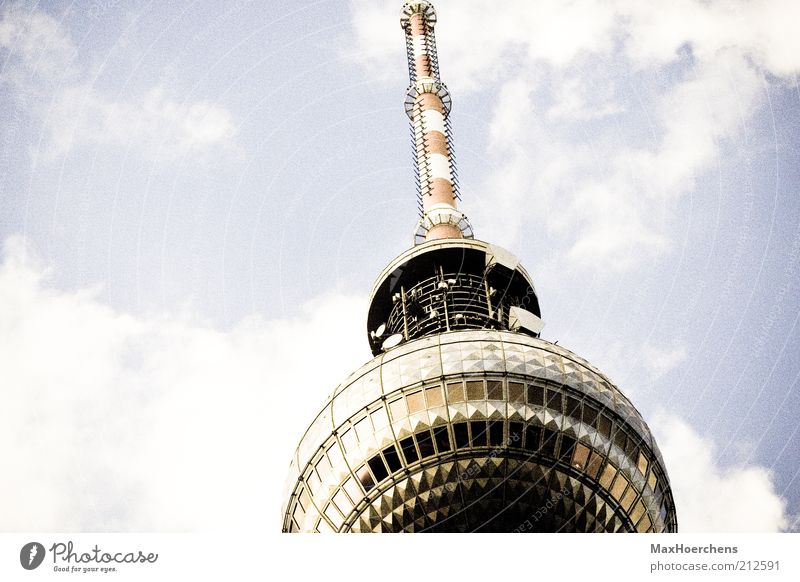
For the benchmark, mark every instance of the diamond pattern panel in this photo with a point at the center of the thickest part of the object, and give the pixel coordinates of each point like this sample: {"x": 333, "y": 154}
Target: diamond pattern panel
{"x": 496, "y": 495}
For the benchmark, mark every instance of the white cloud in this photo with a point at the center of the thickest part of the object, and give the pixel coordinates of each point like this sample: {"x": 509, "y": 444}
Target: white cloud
{"x": 711, "y": 497}
{"x": 576, "y": 100}
{"x": 482, "y": 44}
{"x": 152, "y": 122}
{"x": 115, "y": 422}
{"x": 40, "y": 51}
{"x": 766, "y": 30}
{"x": 607, "y": 193}
{"x": 42, "y": 67}
{"x": 661, "y": 360}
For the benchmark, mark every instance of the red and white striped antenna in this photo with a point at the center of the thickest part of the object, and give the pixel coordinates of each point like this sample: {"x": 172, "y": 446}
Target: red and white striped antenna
{"x": 428, "y": 107}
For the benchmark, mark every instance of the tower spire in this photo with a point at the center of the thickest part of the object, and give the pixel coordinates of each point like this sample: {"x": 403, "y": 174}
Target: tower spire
{"x": 428, "y": 105}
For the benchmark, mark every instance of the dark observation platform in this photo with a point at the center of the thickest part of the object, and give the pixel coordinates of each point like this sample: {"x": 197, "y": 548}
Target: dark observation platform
{"x": 448, "y": 285}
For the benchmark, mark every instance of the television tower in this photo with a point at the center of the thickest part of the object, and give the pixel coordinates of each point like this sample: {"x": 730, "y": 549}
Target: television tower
{"x": 466, "y": 419}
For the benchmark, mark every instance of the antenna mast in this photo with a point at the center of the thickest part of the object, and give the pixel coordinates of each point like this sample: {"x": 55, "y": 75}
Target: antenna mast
{"x": 428, "y": 107}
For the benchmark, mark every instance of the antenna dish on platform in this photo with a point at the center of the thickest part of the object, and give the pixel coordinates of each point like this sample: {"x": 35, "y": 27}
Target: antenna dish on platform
{"x": 378, "y": 332}
{"x": 392, "y": 341}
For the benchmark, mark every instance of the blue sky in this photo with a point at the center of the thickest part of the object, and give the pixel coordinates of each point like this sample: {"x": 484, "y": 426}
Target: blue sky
{"x": 195, "y": 199}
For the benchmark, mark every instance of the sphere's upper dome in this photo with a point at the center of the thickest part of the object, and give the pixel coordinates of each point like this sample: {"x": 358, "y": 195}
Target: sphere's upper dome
{"x": 478, "y": 431}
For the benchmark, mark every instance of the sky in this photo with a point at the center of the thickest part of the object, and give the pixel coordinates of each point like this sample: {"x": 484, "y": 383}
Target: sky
{"x": 195, "y": 199}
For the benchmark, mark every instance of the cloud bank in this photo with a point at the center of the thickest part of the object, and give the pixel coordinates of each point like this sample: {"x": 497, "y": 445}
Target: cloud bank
{"x": 115, "y": 422}
{"x": 42, "y": 67}
{"x": 711, "y": 497}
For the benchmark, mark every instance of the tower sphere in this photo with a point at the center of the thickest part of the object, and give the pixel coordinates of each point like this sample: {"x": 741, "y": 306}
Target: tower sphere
{"x": 479, "y": 431}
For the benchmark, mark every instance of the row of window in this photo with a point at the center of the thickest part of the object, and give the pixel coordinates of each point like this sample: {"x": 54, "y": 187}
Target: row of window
{"x": 465, "y": 435}
{"x": 554, "y": 398}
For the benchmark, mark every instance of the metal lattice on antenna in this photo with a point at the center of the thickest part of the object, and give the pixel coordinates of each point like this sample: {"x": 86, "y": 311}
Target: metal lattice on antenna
{"x": 428, "y": 106}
